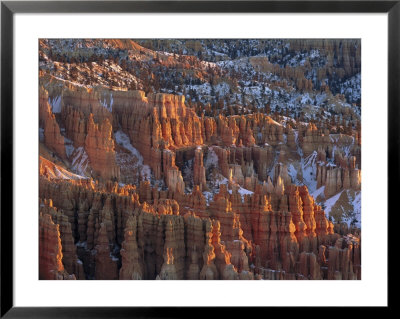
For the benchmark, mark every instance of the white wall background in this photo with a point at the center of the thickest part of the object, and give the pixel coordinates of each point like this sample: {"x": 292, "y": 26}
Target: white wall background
{"x": 370, "y": 291}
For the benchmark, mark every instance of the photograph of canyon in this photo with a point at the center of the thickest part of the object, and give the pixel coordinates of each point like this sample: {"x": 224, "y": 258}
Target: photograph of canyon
{"x": 193, "y": 159}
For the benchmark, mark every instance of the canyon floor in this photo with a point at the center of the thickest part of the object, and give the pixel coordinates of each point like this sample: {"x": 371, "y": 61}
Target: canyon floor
{"x": 199, "y": 159}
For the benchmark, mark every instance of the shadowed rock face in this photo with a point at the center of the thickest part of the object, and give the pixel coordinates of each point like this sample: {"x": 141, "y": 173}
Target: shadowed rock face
{"x": 215, "y": 192}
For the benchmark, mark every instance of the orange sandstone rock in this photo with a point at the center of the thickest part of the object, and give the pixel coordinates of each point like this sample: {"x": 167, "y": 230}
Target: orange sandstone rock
{"x": 99, "y": 146}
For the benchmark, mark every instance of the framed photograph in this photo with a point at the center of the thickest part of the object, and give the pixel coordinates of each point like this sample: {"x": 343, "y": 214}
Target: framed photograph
{"x": 160, "y": 155}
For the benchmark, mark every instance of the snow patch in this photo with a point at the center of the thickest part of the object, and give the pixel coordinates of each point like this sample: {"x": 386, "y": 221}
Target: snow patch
{"x": 209, "y": 197}
{"x": 106, "y": 105}
{"x": 310, "y": 171}
{"x": 55, "y": 103}
{"x": 330, "y": 202}
{"x": 292, "y": 172}
{"x": 318, "y": 192}
{"x": 41, "y": 134}
{"x": 356, "y": 203}
{"x": 80, "y": 160}
{"x": 242, "y": 191}
{"x": 211, "y": 158}
{"x": 69, "y": 146}
{"x": 122, "y": 139}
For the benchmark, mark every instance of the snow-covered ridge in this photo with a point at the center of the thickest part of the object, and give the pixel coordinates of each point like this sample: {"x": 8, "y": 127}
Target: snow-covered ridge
{"x": 57, "y": 172}
{"x": 80, "y": 160}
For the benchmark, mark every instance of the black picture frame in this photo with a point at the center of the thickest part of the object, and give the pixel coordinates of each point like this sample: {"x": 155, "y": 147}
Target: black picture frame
{"x": 9, "y": 8}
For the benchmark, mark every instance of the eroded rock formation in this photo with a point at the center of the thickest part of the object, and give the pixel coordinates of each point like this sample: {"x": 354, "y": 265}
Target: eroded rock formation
{"x": 221, "y": 191}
